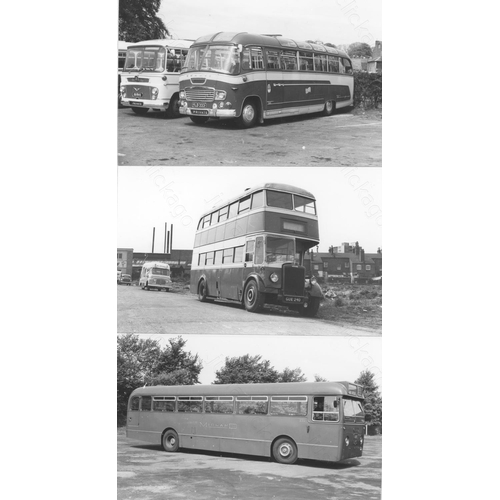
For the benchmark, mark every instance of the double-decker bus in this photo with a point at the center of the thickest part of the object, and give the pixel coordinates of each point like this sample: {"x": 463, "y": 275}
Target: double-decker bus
{"x": 251, "y": 250}
{"x": 255, "y": 77}
{"x": 312, "y": 420}
{"x": 150, "y": 77}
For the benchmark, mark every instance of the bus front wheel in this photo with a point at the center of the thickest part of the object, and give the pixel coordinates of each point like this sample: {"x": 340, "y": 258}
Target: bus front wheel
{"x": 329, "y": 107}
{"x": 312, "y": 307}
{"x": 285, "y": 451}
{"x": 199, "y": 120}
{"x": 173, "y": 107}
{"x": 252, "y": 298}
{"x": 248, "y": 117}
{"x": 170, "y": 441}
{"x": 140, "y": 111}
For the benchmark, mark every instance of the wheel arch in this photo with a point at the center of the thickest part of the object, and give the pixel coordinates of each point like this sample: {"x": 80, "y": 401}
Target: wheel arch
{"x": 260, "y": 106}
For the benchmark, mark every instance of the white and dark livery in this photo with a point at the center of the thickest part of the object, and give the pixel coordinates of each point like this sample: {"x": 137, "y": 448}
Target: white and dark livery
{"x": 155, "y": 276}
{"x": 150, "y": 76}
{"x": 256, "y": 77}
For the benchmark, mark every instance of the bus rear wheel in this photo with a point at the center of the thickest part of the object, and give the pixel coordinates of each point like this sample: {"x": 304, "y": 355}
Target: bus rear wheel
{"x": 140, "y": 111}
{"x": 170, "y": 441}
{"x": 248, "y": 117}
{"x": 252, "y": 298}
{"x": 202, "y": 291}
{"x": 285, "y": 451}
{"x": 173, "y": 107}
{"x": 199, "y": 120}
{"x": 329, "y": 107}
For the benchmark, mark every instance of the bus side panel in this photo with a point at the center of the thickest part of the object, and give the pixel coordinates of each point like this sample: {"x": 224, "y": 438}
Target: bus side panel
{"x": 323, "y": 441}
{"x": 231, "y": 282}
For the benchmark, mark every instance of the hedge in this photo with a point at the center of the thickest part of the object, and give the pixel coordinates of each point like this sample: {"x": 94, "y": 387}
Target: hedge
{"x": 367, "y": 89}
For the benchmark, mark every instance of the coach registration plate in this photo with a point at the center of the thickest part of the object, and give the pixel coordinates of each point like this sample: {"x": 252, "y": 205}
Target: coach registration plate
{"x": 293, "y": 299}
{"x": 199, "y": 111}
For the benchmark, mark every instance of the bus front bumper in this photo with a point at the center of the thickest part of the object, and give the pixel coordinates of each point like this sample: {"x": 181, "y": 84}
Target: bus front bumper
{"x": 155, "y": 105}
{"x": 208, "y": 113}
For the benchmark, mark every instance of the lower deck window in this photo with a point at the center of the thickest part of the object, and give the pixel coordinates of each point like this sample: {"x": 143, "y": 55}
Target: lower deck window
{"x": 251, "y": 405}
{"x": 326, "y": 408}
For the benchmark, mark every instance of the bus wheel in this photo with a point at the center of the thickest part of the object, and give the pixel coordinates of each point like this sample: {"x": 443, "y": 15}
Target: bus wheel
{"x": 329, "y": 107}
{"x": 312, "y": 307}
{"x": 173, "y": 107}
{"x": 146, "y": 286}
{"x": 170, "y": 441}
{"x": 252, "y": 298}
{"x": 202, "y": 291}
{"x": 140, "y": 111}
{"x": 248, "y": 117}
{"x": 285, "y": 451}
{"x": 199, "y": 120}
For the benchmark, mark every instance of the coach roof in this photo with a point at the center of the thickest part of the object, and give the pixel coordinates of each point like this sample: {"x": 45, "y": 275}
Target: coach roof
{"x": 279, "y": 41}
{"x": 164, "y": 43}
{"x": 291, "y": 388}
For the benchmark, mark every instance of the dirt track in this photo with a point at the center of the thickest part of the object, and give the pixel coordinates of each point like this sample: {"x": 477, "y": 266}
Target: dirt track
{"x": 345, "y": 139}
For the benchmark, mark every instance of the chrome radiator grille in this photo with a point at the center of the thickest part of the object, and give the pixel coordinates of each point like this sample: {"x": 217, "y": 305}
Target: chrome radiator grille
{"x": 200, "y": 94}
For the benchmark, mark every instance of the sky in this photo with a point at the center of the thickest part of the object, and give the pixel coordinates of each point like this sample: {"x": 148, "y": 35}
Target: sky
{"x": 349, "y": 201}
{"x": 334, "y": 21}
{"x": 333, "y": 358}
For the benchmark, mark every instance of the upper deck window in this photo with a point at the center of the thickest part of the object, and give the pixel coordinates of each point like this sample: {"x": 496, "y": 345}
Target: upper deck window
{"x": 280, "y": 200}
{"x": 303, "y": 204}
{"x": 145, "y": 59}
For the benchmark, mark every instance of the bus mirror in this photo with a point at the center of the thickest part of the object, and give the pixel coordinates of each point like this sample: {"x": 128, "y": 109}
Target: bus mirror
{"x": 240, "y": 48}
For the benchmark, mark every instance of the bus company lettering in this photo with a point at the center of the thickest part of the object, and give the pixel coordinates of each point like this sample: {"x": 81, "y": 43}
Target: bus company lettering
{"x": 208, "y": 425}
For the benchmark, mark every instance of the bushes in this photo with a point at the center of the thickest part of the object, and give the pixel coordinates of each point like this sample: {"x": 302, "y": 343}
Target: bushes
{"x": 367, "y": 89}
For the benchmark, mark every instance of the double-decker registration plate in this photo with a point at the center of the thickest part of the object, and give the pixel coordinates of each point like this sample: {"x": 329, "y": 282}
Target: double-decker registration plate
{"x": 297, "y": 300}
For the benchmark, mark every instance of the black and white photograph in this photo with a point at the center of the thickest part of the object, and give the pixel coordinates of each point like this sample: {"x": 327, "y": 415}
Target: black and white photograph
{"x": 268, "y": 83}
{"x": 249, "y": 250}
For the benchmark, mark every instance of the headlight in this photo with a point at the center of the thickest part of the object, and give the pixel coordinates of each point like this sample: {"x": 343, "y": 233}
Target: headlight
{"x": 154, "y": 92}
{"x": 347, "y": 441}
{"x": 220, "y": 95}
{"x": 182, "y": 94}
{"x": 123, "y": 90}
{"x": 274, "y": 278}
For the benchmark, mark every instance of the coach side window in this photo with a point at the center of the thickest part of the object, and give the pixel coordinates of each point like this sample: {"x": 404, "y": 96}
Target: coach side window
{"x": 273, "y": 59}
{"x": 146, "y": 403}
{"x": 257, "y": 58}
{"x": 134, "y": 403}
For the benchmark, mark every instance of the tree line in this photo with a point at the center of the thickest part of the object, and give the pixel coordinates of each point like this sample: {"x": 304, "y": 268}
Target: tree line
{"x": 143, "y": 362}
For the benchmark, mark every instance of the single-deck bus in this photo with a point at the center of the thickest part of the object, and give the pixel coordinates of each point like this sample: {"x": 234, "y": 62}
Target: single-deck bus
{"x": 122, "y": 53}
{"x": 156, "y": 276}
{"x": 313, "y": 420}
{"x": 251, "y": 250}
{"x": 150, "y": 78}
{"x": 255, "y": 77}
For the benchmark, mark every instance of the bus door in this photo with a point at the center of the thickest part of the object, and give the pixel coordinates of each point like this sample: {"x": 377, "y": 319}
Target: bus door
{"x": 133, "y": 412}
{"x": 325, "y": 428}
{"x": 274, "y": 83}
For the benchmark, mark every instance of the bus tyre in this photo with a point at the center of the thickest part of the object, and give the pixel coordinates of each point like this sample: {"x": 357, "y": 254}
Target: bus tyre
{"x": 252, "y": 298}
{"x": 248, "y": 117}
{"x": 170, "y": 441}
{"x": 312, "y": 307}
{"x": 173, "y": 107}
{"x": 202, "y": 291}
{"x": 329, "y": 107}
{"x": 285, "y": 451}
{"x": 199, "y": 120}
{"x": 146, "y": 286}
{"x": 140, "y": 111}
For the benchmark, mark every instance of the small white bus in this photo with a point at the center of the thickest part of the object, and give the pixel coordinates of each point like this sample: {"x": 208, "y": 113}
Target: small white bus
{"x": 156, "y": 276}
{"x": 150, "y": 77}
